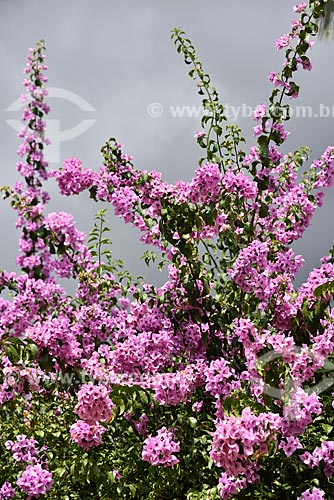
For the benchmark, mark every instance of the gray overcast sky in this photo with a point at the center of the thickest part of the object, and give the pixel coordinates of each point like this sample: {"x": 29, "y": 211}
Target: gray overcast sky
{"x": 118, "y": 56}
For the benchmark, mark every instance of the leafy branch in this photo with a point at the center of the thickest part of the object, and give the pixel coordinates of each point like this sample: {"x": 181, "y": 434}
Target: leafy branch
{"x": 99, "y": 245}
{"x": 214, "y": 111}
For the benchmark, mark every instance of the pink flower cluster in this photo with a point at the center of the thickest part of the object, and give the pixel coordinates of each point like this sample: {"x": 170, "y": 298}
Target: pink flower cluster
{"x": 174, "y": 388}
{"x": 229, "y": 486}
{"x": 160, "y": 449}
{"x": 33, "y": 133}
{"x": 259, "y": 112}
{"x": 71, "y": 178}
{"x": 247, "y": 271}
{"x": 300, "y": 7}
{"x": 221, "y": 379}
{"x": 314, "y": 494}
{"x": 298, "y": 414}
{"x": 35, "y": 480}
{"x": 146, "y": 352}
{"x": 141, "y": 424}
{"x": 24, "y": 449}
{"x": 290, "y": 445}
{"x": 282, "y": 42}
{"x": 292, "y": 215}
{"x": 238, "y": 440}
{"x": 94, "y": 404}
{"x": 205, "y": 186}
{"x": 240, "y": 184}
{"x": 87, "y": 435}
{"x": 59, "y": 337}
{"x": 6, "y": 491}
{"x": 325, "y": 454}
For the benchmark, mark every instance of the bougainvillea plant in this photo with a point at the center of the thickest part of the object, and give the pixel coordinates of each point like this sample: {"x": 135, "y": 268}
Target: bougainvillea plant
{"x": 218, "y": 383}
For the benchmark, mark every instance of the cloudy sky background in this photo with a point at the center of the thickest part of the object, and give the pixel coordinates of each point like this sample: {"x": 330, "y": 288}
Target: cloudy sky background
{"x": 118, "y": 56}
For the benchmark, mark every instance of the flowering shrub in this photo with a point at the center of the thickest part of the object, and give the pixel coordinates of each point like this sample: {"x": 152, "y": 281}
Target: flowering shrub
{"x": 216, "y": 384}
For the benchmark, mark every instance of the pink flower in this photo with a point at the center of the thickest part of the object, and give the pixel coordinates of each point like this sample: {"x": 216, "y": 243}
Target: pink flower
{"x": 205, "y": 186}
{"x": 315, "y": 494}
{"x": 280, "y": 128}
{"x": 94, "y": 404}
{"x": 300, "y": 7}
{"x": 141, "y": 424}
{"x": 306, "y": 63}
{"x": 257, "y": 130}
{"x": 24, "y": 449}
{"x": 117, "y": 474}
{"x": 197, "y": 406}
{"x": 274, "y": 154}
{"x": 282, "y": 41}
{"x": 72, "y": 178}
{"x": 236, "y": 439}
{"x": 240, "y": 184}
{"x": 220, "y": 379}
{"x": 259, "y": 112}
{"x": 273, "y": 77}
{"x": 6, "y": 491}
{"x": 160, "y": 449}
{"x": 35, "y": 480}
{"x": 86, "y": 435}
{"x": 199, "y": 134}
{"x": 253, "y": 156}
{"x": 291, "y": 91}
{"x": 290, "y": 445}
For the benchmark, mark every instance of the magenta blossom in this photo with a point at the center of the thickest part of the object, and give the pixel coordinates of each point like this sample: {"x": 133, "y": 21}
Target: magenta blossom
{"x": 35, "y": 480}
{"x": 86, "y": 435}
{"x": 160, "y": 449}
{"x": 6, "y": 491}
{"x": 282, "y": 41}
{"x": 300, "y": 7}
{"x": 259, "y": 112}
{"x": 315, "y": 494}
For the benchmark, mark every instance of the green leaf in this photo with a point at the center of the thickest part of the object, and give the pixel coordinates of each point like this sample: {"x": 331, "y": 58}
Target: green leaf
{"x": 263, "y": 146}
{"x": 324, "y": 289}
{"x": 120, "y": 404}
{"x": 264, "y": 210}
{"x": 13, "y": 353}
{"x": 327, "y": 428}
{"x": 193, "y": 422}
{"x": 60, "y": 471}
